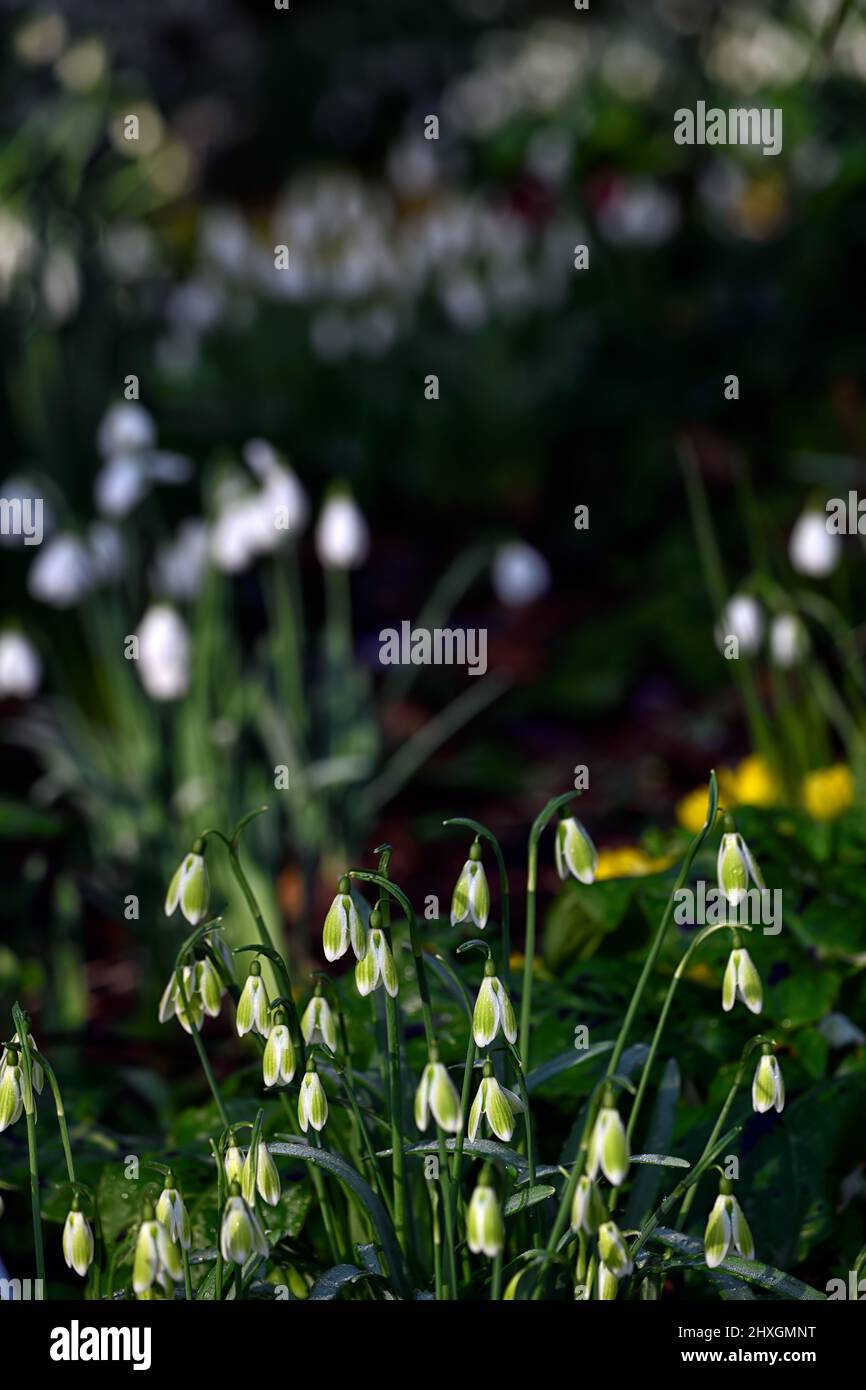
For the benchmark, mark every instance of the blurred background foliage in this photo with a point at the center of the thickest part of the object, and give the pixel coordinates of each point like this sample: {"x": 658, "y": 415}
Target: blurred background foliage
{"x": 558, "y": 388}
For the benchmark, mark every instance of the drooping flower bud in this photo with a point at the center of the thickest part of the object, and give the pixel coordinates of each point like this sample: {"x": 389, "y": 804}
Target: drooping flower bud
{"x": 497, "y": 1104}
{"x": 485, "y": 1229}
{"x": 77, "y": 1241}
{"x": 233, "y": 1162}
{"x": 471, "y": 892}
{"x": 343, "y": 926}
{"x": 735, "y": 866}
{"x": 241, "y": 1233}
{"x": 171, "y": 1213}
{"x": 727, "y": 1226}
{"x": 266, "y": 1179}
{"x": 608, "y": 1286}
{"x": 741, "y": 980}
{"x": 189, "y": 887}
{"x": 437, "y": 1093}
{"x": 574, "y": 851}
{"x": 613, "y": 1251}
{"x": 587, "y": 1208}
{"x": 253, "y": 1006}
{"x": 209, "y": 986}
{"x": 608, "y": 1146}
{"x": 37, "y": 1076}
{"x": 813, "y": 548}
{"x": 312, "y": 1101}
{"x": 156, "y": 1259}
{"x": 492, "y": 1011}
{"x": 317, "y": 1024}
{"x": 11, "y": 1092}
{"x": 768, "y": 1086}
{"x": 377, "y": 967}
{"x": 278, "y": 1058}
{"x": 342, "y": 538}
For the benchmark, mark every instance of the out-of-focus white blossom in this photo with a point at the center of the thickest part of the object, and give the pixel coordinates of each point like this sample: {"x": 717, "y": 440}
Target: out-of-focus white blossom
{"x": 125, "y": 428}
{"x": 20, "y": 666}
{"x": 62, "y": 572}
{"x": 812, "y": 548}
{"x": 163, "y": 653}
{"x": 342, "y": 536}
{"x": 520, "y": 574}
{"x": 741, "y": 618}
{"x": 181, "y": 563}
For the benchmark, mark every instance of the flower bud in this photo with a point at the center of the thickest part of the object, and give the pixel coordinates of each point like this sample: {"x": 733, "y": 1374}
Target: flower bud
{"x": 492, "y": 1011}
{"x": 312, "y": 1101}
{"x": 813, "y": 548}
{"x": 278, "y": 1058}
{"x": 156, "y": 1259}
{"x": 608, "y": 1146}
{"x": 11, "y": 1093}
{"x": 342, "y": 538}
{"x": 241, "y": 1234}
{"x": 437, "y": 1093}
{"x": 587, "y": 1208}
{"x": 37, "y": 1076}
{"x": 735, "y": 866}
{"x": 377, "y": 967}
{"x": 607, "y": 1283}
{"x": 574, "y": 851}
{"x": 741, "y": 981}
{"x": 317, "y": 1024}
{"x": 342, "y": 926}
{"x": 485, "y": 1229}
{"x": 768, "y": 1086}
{"x": 233, "y": 1162}
{"x": 253, "y": 1007}
{"x": 209, "y": 987}
{"x": 190, "y": 887}
{"x": 497, "y": 1104}
{"x": 727, "y": 1226}
{"x": 266, "y": 1179}
{"x": 77, "y": 1241}
{"x": 613, "y": 1251}
{"x": 171, "y": 1213}
{"x": 471, "y": 892}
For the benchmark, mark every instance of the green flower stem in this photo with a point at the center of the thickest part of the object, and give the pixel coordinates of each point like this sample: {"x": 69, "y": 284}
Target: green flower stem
{"x": 398, "y": 1175}
{"x": 465, "y": 1094}
{"x": 333, "y": 1226}
{"x": 199, "y": 1047}
{"x": 535, "y": 833}
{"x": 719, "y": 1125}
{"x": 433, "y": 1194}
{"x": 187, "y": 1274}
{"x": 496, "y": 1278}
{"x": 504, "y": 894}
{"x": 347, "y": 1077}
{"x": 23, "y": 1032}
{"x": 61, "y": 1113}
{"x": 561, "y": 1221}
{"x": 689, "y": 1183}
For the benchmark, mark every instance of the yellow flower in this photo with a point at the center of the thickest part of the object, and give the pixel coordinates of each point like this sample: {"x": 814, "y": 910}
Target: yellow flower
{"x": 755, "y": 783}
{"x": 692, "y": 810}
{"x": 629, "y": 861}
{"x": 828, "y": 791}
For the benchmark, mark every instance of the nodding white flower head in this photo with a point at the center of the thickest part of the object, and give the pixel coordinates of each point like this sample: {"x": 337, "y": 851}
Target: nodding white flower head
{"x": 735, "y": 866}
{"x": 190, "y": 887}
{"x": 121, "y": 484}
{"x": 575, "y": 853}
{"x": 613, "y": 1251}
{"x": 743, "y": 618}
{"x": 768, "y": 1085}
{"x": 278, "y": 1058}
{"x": 282, "y": 497}
{"x": 189, "y": 1014}
{"x": 312, "y": 1101}
{"x": 789, "y": 640}
{"x": 37, "y": 1075}
{"x": 125, "y": 428}
{"x": 727, "y": 1226}
{"x": 77, "y": 1241}
{"x": 253, "y": 1011}
{"x": 20, "y": 667}
{"x": 11, "y": 1092}
{"x": 813, "y": 549}
{"x": 342, "y": 537}
{"x": 171, "y": 1213}
{"x": 62, "y": 572}
{"x": 471, "y": 891}
{"x": 437, "y": 1094}
{"x": 587, "y": 1208}
{"x": 520, "y": 574}
{"x": 608, "y": 1284}
{"x": 377, "y": 967}
{"x": 241, "y": 1233}
{"x": 163, "y": 653}
{"x": 209, "y": 986}
{"x": 233, "y": 1162}
{"x": 492, "y": 1010}
{"x": 317, "y": 1023}
{"x": 608, "y": 1146}
{"x": 156, "y": 1259}
{"x": 343, "y": 925}
{"x": 485, "y": 1230}
{"x": 741, "y": 980}
{"x": 260, "y": 1174}
{"x": 496, "y": 1104}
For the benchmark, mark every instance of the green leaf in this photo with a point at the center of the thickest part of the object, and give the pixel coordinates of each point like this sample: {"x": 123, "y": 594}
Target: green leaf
{"x": 575, "y": 1057}
{"x": 529, "y": 1197}
{"x": 691, "y": 1256}
{"x": 660, "y": 1160}
{"x": 661, "y": 1127}
{"x": 333, "y": 1281}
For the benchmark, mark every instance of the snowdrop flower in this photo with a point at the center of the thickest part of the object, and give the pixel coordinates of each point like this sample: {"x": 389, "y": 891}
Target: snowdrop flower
{"x": 789, "y": 640}
{"x": 171, "y": 1213}
{"x": 812, "y": 548}
{"x": 492, "y": 1011}
{"x": 265, "y": 1180}
{"x": 163, "y": 653}
{"x": 180, "y": 564}
{"x": 121, "y": 485}
{"x": 377, "y": 967}
{"x": 587, "y": 1208}
{"x": 20, "y": 667}
{"x": 190, "y": 1015}
{"x": 497, "y": 1104}
{"x": 437, "y": 1093}
{"x": 241, "y": 1233}
{"x": 608, "y": 1146}
{"x": 62, "y": 572}
{"x": 238, "y": 535}
{"x": 11, "y": 1092}
{"x": 575, "y": 853}
{"x": 485, "y": 1229}
{"x": 37, "y": 1076}
{"x": 768, "y": 1086}
{"x": 233, "y": 1162}
{"x": 613, "y": 1251}
{"x": 156, "y": 1259}
{"x": 126, "y": 427}
{"x": 77, "y": 1242}
{"x": 209, "y": 987}
{"x": 278, "y": 1058}
{"x": 471, "y": 892}
{"x": 190, "y": 887}
{"x": 317, "y": 1024}
{"x": 253, "y": 1006}
{"x": 608, "y": 1286}
{"x": 342, "y": 926}
{"x": 741, "y": 618}
{"x": 741, "y": 980}
{"x": 520, "y": 574}
{"x": 734, "y": 867}
{"x": 342, "y": 538}
{"x": 727, "y": 1226}
{"x": 283, "y": 494}
{"x": 312, "y": 1101}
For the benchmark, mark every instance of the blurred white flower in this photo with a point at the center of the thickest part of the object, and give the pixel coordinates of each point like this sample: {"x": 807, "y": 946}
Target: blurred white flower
{"x": 638, "y": 212}
{"x": 225, "y": 239}
{"x": 788, "y": 640}
{"x": 20, "y": 666}
{"x": 121, "y": 484}
{"x": 741, "y": 618}
{"x": 17, "y": 246}
{"x": 163, "y": 653}
{"x": 62, "y": 572}
{"x": 283, "y": 498}
{"x": 180, "y": 563}
{"x": 813, "y": 550}
{"x": 520, "y": 574}
{"x": 61, "y": 285}
{"x": 126, "y": 427}
{"x": 342, "y": 536}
